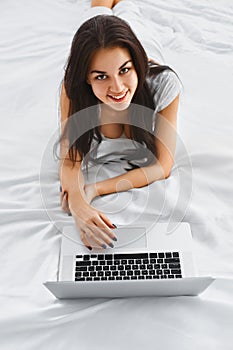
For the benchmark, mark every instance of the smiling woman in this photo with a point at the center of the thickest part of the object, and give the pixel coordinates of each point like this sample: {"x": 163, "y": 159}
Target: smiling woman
{"x": 108, "y": 72}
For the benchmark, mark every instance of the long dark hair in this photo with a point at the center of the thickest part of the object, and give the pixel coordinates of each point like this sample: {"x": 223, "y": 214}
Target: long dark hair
{"x": 105, "y": 31}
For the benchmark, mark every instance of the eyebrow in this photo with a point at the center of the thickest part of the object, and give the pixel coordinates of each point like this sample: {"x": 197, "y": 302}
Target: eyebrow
{"x": 100, "y": 72}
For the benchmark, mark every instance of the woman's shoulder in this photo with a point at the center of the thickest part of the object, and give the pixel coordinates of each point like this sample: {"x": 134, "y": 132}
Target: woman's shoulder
{"x": 160, "y": 75}
{"x": 164, "y": 84}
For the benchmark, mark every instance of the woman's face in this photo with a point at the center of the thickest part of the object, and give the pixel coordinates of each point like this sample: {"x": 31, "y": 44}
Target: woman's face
{"x": 113, "y": 77}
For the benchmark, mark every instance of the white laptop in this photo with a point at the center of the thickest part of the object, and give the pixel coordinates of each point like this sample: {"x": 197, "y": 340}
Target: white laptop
{"x": 145, "y": 261}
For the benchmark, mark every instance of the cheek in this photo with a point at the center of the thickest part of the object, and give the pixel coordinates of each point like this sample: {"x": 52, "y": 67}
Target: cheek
{"x": 134, "y": 80}
{"x": 98, "y": 89}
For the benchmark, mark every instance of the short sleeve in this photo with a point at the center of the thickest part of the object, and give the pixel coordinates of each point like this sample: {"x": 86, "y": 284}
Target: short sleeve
{"x": 165, "y": 87}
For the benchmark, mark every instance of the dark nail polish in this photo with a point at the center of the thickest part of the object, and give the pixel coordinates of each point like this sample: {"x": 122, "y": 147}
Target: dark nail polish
{"x": 115, "y": 239}
{"x": 104, "y": 246}
{"x": 111, "y": 245}
{"x": 69, "y": 214}
{"x": 114, "y": 225}
{"x": 88, "y": 247}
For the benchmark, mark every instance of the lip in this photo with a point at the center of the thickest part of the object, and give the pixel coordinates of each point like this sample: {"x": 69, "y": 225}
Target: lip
{"x": 117, "y": 100}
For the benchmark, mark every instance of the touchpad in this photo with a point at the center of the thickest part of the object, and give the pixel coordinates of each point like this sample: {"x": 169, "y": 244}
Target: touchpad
{"x": 130, "y": 237}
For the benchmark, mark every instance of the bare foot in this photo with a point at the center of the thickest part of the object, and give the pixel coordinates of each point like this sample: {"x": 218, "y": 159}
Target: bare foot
{"x": 105, "y": 3}
{"x": 116, "y": 2}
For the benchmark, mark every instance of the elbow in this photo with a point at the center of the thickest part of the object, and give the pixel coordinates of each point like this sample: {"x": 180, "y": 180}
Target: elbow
{"x": 167, "y": 172}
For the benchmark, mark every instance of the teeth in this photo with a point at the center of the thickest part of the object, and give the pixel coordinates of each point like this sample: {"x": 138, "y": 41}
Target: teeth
{"x": 119, "y": 97}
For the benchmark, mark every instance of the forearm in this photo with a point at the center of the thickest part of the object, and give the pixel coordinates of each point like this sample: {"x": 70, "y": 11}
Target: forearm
{"x": 72, "y": 180}
{"x": 135, "y": 178}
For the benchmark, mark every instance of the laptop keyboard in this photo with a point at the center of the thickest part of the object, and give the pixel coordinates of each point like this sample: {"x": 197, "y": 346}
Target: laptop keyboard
{"x": 127, "y": 266}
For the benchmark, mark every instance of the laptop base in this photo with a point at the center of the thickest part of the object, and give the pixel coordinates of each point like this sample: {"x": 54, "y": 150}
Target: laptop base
{"x": 190, "y": 286}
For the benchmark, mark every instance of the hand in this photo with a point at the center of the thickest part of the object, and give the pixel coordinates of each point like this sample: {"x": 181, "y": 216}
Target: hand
{"x": 64, "y": 202}
{"x": 94, "y": 227}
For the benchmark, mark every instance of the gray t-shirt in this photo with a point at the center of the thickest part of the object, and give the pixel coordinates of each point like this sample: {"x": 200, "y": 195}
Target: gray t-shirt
{"x": 167, "y": 87}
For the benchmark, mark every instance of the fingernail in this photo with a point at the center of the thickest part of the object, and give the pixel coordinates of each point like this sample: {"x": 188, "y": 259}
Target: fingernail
{"x": 115, "y": 239}
{"x": 69, "y": 214}
{"x": 111, "y": 245}
{"x": 60, "y": 189}
{"x": 88, "y": 247}
{"x": 104, "y": 246}
{"x": 114, "y": 225}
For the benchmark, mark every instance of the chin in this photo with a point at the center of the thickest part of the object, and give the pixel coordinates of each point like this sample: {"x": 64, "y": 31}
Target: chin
{"x": 119, "y": 106}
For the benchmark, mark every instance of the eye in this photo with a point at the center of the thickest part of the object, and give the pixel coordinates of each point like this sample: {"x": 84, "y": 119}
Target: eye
{"x": 125, "y": 70}
{"x": 101, "y": 77}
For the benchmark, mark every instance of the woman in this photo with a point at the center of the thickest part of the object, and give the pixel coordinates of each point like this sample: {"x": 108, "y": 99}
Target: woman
{"x": 108, "y": 73}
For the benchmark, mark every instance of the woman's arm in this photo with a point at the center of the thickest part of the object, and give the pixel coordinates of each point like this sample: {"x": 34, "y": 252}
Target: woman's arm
{"x": 136, "y": 178}
{"x": 94, "y": 227}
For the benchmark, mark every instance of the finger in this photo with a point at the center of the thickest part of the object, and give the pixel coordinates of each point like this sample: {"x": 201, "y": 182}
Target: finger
{"x": 65, "y": 204}
{"x": 102, "y": 235}
{"x": 107, "y": 222}
{"x": 100, "y": 222}
{"x": 93, "y": 235}
{"x": 84, "y": 239}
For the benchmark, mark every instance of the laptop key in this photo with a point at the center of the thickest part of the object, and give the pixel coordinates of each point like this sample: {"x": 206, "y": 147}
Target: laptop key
{"x": 176, "y": 272}
{"x": 174, "y": 266}
{"x": 171, "y": 260}
{"x": 81, "y": 268}
{"x": 175, "y": 254}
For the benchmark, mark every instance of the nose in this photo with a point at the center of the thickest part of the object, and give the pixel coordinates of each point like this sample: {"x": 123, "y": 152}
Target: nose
{"x": 116, "y": 85}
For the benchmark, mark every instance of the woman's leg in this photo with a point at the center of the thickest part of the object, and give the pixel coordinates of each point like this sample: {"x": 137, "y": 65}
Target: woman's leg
{"x": 105, "y": 3}
{"x": 131, "y": 13}
{"x": 98, "y": 7}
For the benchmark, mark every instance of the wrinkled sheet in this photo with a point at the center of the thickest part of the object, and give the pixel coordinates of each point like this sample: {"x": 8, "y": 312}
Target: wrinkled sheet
{"x": 35, "y": 37}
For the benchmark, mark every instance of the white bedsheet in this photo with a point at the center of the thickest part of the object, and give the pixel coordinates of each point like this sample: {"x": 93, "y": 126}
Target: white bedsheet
{"x": 35, "y": 37}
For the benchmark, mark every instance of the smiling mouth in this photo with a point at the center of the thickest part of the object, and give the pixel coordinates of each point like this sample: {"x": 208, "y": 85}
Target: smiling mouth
{"x": 119, "y": 98}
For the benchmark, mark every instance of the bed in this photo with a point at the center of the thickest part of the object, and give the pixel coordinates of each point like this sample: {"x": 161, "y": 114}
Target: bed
{"x": 198, "y": 43}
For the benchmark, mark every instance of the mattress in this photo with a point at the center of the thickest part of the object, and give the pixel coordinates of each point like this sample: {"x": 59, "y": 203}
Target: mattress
{"x": 197, "y": 40}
